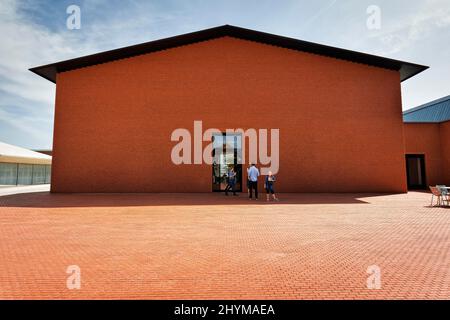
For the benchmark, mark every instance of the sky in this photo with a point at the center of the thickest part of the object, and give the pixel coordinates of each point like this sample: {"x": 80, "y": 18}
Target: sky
{"x": 34, "y": 32}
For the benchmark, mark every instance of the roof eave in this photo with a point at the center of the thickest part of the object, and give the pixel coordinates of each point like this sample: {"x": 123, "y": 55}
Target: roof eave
{"x": 417, "y": 69}
{"x": 49, "y": 71}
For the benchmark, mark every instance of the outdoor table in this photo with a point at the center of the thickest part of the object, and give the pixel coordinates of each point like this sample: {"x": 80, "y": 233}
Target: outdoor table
{"x": 448, "y": 189}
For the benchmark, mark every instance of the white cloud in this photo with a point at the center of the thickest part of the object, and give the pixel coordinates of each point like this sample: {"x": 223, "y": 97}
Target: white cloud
{"x": 405, "y": 31}
{"x": 25, "y": 44}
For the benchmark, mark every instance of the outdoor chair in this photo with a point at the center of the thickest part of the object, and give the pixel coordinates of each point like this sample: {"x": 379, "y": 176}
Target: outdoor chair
{"x": 435, "y": 192}
{"x": 444, "y": 192}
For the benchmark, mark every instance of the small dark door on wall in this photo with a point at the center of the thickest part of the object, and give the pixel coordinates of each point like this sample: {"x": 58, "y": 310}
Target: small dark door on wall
{"x": 415, "y": 171}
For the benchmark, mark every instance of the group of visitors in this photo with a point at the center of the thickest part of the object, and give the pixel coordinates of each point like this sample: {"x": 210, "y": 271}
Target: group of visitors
{"x": 252, "y": 182}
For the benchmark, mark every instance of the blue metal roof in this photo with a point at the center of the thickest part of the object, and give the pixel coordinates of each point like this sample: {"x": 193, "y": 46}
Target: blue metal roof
{"x": 434, "y": 112}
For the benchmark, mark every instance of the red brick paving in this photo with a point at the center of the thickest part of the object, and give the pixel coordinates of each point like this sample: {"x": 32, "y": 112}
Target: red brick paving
{"x": 206, "y": 246}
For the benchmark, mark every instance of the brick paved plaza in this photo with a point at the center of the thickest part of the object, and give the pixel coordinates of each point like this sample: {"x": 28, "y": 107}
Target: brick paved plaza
{"x": 207, "y": 246}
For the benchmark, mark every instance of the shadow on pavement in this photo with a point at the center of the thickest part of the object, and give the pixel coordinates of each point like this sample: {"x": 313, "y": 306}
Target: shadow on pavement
{"x": 64, "y": 200}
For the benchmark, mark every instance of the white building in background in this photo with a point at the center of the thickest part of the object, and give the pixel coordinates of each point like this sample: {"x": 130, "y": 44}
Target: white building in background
{"x": 20, "y": 166}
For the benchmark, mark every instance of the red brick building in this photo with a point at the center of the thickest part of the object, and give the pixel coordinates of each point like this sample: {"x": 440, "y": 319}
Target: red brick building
{"x": 427, "y": 143}
{"x": 339, "y": 113}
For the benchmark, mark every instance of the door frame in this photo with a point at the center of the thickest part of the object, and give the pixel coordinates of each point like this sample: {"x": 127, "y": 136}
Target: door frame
{"x": 237, "y": 165}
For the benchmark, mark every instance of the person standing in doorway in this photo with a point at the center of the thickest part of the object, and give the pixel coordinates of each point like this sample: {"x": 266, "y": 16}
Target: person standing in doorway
{"x": 268, "y": 185}
{"x": 248, "y": 181}
{"x": 231, "y": 177}
{"x": 253, "y": 174}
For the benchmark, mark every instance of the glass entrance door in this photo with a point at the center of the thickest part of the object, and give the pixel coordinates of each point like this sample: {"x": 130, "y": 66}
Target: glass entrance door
{"x": 227, "y": 153}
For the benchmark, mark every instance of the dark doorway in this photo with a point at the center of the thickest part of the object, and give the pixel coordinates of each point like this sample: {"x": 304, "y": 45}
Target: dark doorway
{"x": 415, "y": 171}
{"x": 227, "y": 153}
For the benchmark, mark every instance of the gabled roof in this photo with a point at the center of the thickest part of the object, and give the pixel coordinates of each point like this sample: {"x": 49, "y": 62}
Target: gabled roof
{"x": 435, "y": 111}
{"x": 406, "y": 69}
{"x": 15, "y": 154}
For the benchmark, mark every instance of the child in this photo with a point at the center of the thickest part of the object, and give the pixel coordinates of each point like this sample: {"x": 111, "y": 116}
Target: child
{"x": 268, "y": 185}
{"x": 231, "y": 175}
